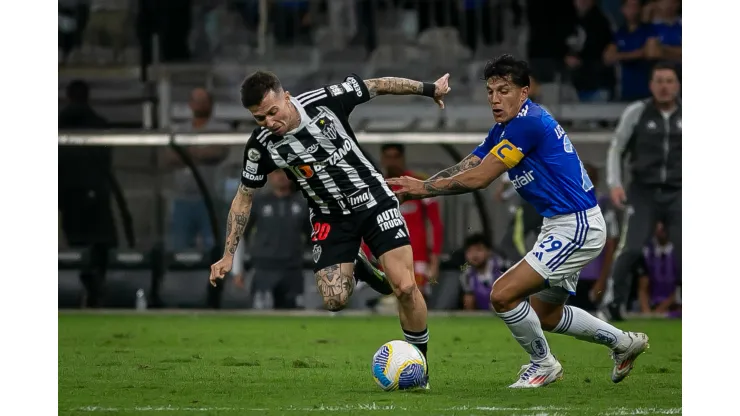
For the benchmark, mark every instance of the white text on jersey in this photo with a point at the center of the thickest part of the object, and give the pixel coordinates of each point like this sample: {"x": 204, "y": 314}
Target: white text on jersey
{"x": 523, "y": 180}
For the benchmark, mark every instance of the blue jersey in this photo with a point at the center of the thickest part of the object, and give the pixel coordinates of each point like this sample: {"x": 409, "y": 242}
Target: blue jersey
{"x": 544, "y": 167}
{"x": 668, "y": 34}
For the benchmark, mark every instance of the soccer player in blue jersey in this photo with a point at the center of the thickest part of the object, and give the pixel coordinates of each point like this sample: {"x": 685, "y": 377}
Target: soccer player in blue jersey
{"x": 544, "y": 168}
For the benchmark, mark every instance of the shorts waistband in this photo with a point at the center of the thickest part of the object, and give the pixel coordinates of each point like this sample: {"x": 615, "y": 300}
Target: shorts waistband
{"x": 590, "y": 213}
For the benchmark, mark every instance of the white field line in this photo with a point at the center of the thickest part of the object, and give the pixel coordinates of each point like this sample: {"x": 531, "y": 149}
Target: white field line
{"x": 538, "y": 410}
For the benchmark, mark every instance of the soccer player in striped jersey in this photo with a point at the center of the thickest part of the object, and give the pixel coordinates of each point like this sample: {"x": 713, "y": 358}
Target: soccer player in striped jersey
{"x": 310, "y": 138}
{"x": 544, "y": 168}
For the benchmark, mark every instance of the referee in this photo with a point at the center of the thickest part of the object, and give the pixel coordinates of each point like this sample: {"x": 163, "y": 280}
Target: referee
{"x": 649, "y": 131}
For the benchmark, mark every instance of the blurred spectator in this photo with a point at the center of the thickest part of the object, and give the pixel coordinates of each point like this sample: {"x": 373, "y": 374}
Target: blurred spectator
{"x": 592, "y": 34}
{"x": 437, "y": 13}
{"x": 546, "y": 43}
{"x": 657, "y": 274}
{"x": 291, "y": 22}
{"x": 650, "y": 132}
{"x": 612, "y": 10}
{"x": 73, "y": 18}
{"x": 481, "y": 270}
{"x": 667, "y": 29}
{"x": 480, "y": 21}
{"x": 109, "y": 25}
{"x": 628, "y": 50}
{"x": 594, "y": 277}
{"x": 282, "y": 230}
{"x": 85, "y": 179}
{"x": 417, "y": 214}
{"x": 190, "y": 225}
{"x": 170, "y": 20}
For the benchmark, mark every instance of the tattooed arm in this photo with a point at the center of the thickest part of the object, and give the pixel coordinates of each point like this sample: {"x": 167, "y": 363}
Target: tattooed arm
{"x": 235, "y": 225}
{"x": 453, "y": 182}
{"x": 238, "y": 218}
{"x": 468, "y": 180}
{"x": 469, "y": 162}
{"x": 404, "y": 86}
{"x": 393, "y": 86}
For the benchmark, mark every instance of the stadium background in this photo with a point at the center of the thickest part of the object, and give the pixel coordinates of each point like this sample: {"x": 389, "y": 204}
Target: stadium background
{"x": 143, "y": 61}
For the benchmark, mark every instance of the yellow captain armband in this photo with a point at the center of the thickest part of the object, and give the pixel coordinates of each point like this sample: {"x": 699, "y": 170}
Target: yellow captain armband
{"x": 507, "y": 153}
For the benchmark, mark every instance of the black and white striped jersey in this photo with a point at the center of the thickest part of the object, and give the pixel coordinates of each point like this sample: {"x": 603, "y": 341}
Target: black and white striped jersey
{"x": 322, "y": 155}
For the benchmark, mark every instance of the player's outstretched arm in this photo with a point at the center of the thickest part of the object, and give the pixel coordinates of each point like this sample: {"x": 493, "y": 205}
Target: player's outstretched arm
{"x": 469, "y": 162}
{"x": 404, "y": 86}
{"x": 236, "y": 223}
{"x": 466, "y": 181}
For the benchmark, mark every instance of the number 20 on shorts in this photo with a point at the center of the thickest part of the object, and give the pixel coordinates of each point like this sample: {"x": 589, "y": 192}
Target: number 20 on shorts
{"x": 320, "y": 231}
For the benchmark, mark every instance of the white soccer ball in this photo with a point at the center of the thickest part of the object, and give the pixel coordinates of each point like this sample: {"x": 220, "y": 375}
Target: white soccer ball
{"x": 398, "y": 365}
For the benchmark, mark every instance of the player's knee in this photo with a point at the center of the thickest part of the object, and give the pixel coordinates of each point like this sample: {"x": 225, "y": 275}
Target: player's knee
{"x": 405, "y": 291}
{"x": 503, "y": 300}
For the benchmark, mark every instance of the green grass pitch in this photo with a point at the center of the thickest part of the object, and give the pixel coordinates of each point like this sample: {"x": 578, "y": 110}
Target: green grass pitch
{"x": 216, "y": 364}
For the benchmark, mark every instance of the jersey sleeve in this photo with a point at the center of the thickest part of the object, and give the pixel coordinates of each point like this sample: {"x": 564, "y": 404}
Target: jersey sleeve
{"x": 520, "y": 137}
{"x": 257, "y": 163}
{"x": 486, "y": 145}
{"x": 351, "y": 92}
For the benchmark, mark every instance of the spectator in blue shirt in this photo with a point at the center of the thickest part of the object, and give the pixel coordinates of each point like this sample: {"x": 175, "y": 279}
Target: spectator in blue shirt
{"x": 628, "y": 51}
{"x": 667, "y": 29}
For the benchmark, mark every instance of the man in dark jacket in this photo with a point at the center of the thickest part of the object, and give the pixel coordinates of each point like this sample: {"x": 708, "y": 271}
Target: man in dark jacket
{"x": 279, "y": 231}
{"x": 84, "y": 190}
{"x": 650, "y": 132}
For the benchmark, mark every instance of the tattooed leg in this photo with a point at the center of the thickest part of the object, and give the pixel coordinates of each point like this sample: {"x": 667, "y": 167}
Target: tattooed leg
{"x": 336, "y": 284}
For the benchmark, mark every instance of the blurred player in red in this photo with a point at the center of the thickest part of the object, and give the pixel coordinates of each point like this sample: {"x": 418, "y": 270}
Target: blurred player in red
{"x": 416, "y": 213}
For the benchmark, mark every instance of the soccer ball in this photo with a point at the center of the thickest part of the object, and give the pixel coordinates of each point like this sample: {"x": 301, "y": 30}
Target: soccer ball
{"x": 398, "y": 365}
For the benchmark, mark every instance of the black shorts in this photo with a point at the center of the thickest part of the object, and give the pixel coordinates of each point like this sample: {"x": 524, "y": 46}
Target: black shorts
{"x": 337, "y": 239}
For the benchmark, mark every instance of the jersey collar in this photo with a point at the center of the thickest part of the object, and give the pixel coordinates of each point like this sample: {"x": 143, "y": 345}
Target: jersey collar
{"x": 304, "y": 117}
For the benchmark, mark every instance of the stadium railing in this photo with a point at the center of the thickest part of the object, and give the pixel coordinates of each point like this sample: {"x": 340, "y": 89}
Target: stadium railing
{"x": 144, "y": 200}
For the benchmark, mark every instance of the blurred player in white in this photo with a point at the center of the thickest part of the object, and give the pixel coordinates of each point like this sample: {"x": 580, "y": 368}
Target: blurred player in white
{"x": 545, "y": 170}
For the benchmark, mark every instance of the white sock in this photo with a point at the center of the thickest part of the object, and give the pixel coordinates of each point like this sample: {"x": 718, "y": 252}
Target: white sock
{"x": 584, "y": 326}
{"x": 525, "y": 326}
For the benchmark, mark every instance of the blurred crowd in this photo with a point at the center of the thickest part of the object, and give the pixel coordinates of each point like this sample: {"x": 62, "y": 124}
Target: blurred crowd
{"x": 603, "y": 48}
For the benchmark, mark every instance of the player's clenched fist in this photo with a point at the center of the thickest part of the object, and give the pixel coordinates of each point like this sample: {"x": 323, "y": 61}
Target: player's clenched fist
{"x": 220, "y": 268}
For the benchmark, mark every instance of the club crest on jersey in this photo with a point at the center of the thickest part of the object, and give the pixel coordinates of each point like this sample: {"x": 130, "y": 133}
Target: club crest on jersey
{"x": 326, "y": 127}
{"x": 316, "y": 253}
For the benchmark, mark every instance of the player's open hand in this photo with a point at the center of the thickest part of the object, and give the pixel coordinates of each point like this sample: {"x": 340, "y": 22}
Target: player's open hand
{"x": 441, "y": 88}
{"x": 407, "y": 187}
{"x": 220, "y": 268}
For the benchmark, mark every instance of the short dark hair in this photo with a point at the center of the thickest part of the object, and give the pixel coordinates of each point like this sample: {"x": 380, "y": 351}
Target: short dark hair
{"x": 508, "y": 67}
{"x": 255, "y": 87}
{"x": 78, "y": 91}
{"x": 475, "y": 239}
{"x": 398, "y": 146}
{"x": 661, "y": 66}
